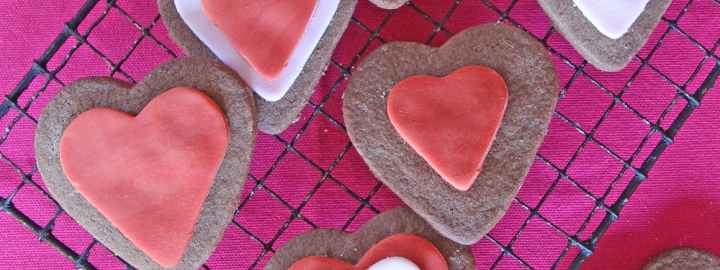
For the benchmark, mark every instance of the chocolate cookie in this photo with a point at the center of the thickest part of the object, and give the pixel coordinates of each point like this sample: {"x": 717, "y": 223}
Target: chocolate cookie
{"x": 463, "y": 216}
{"x": 215, "y": 82}
{"x": 601, "y": 51}
{"x": 274, "y": 117}
{"x": 684, "y": 259}
{"x": 351, "y": 247}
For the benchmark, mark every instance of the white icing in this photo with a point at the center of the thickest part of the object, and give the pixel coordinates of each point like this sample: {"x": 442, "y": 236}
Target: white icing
{"x": 272, "y": 90}
{"x": 394, "y": 263}
{"x": 613, "y": 18}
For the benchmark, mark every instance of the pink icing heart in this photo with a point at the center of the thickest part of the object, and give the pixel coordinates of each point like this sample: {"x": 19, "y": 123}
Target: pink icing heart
{"x": 150, "y": 174}
{"x": 264, "y": 32}
{"x": 450, "y": 121}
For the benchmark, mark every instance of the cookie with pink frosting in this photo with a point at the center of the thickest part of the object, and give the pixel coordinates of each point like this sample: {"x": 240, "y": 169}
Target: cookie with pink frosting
{"x": 453, "y": 130}
{"x": 153, "y": 171}
{"x": 395, "y": 240}
{"x": 279, "y": 48}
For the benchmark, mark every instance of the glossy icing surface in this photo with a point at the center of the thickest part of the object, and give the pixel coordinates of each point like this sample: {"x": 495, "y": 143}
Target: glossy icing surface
{"x": 394, "y": 263}
{"x": 613, "y": 18}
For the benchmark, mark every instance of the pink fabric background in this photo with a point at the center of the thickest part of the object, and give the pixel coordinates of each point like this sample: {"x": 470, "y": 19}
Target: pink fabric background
{"x": 677, "y": 206}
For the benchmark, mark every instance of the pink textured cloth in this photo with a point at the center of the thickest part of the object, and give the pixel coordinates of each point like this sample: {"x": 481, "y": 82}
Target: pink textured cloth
{"x": 676, "y": 206}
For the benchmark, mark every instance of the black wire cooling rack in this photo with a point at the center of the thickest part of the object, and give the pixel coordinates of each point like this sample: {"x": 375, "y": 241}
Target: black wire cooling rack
{"x": 578, "y": 245}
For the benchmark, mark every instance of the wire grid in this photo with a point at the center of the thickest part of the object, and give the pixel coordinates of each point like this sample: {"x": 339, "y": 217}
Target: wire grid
{"x": 576, "y": 249}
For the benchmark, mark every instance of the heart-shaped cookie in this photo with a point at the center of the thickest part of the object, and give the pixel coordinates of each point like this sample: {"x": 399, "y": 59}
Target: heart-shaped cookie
{"x": 404, "y": 250}
{"x": 151, "y": 171}
{"x": 398, "y": 234}
{"x": 601, "y": 33}
{"x": 148, "y": 174}
{"x": 284, "y": 96}
{"x": 463, "y": 216}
